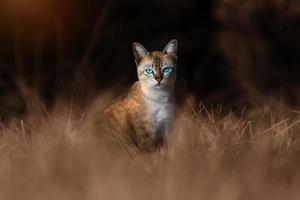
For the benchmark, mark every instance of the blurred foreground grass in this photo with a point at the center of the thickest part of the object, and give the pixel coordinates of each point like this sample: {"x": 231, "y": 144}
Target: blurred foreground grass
{"x": 50, "y": 155}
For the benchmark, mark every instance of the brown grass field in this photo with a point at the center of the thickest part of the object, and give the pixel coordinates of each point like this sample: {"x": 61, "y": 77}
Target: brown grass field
{"x": 209, "y": 155}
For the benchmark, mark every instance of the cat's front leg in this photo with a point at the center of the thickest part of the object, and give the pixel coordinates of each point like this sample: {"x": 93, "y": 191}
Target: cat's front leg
{"x": 145, "y": 142}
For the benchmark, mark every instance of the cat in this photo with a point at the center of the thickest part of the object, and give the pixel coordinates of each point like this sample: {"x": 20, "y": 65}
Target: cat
{"x": 143, "y": 116}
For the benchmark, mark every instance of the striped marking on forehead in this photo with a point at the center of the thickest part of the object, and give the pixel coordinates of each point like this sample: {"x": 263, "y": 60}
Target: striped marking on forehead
{"x": 157, "y": 63}
{"x": 157, "y": 59}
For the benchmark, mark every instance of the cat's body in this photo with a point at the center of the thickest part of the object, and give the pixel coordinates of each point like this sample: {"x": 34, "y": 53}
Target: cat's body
{"x": 142, "y": 120}
{"x": 144, "y": 115}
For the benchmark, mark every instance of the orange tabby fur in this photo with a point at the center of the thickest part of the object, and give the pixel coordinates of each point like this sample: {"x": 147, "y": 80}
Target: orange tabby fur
{"x": 143, "y": 116}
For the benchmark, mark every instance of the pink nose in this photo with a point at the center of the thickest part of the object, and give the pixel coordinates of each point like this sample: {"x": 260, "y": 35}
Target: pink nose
{"x": 158, "y": 79}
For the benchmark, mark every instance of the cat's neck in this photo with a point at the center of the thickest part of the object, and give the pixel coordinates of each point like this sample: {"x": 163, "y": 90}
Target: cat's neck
{"x": 162, "y": 95}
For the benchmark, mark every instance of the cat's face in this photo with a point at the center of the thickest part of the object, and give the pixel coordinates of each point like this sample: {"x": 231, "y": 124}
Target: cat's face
{"x": 156, "y": 70}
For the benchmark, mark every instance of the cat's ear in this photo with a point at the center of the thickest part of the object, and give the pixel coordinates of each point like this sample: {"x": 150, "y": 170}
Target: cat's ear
{"x": 171, "y": 48}
{"x": 139, "y": 51}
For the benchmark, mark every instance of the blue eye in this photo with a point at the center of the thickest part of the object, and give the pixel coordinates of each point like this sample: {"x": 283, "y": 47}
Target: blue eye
{"x": 167, "y": 70}
{"x": 149, "y": 71}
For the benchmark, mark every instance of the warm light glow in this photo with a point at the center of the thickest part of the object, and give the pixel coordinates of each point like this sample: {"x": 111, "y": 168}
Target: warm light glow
{"x": 31, "y": 7}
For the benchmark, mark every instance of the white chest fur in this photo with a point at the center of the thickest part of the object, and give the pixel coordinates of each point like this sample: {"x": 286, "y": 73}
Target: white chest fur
{"x": 160, "y": 108}
{"x": 161, "y": 114}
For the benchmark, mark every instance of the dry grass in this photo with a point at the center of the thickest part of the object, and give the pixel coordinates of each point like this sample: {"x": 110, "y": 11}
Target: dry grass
{"x": 208, "y": 156}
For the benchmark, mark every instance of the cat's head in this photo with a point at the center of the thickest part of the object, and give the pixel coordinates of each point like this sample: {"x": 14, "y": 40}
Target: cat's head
{"x": 157, "y": 69}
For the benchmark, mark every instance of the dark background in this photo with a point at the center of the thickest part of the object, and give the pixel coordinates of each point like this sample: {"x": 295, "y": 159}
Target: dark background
{"x": 232, "y": 52}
